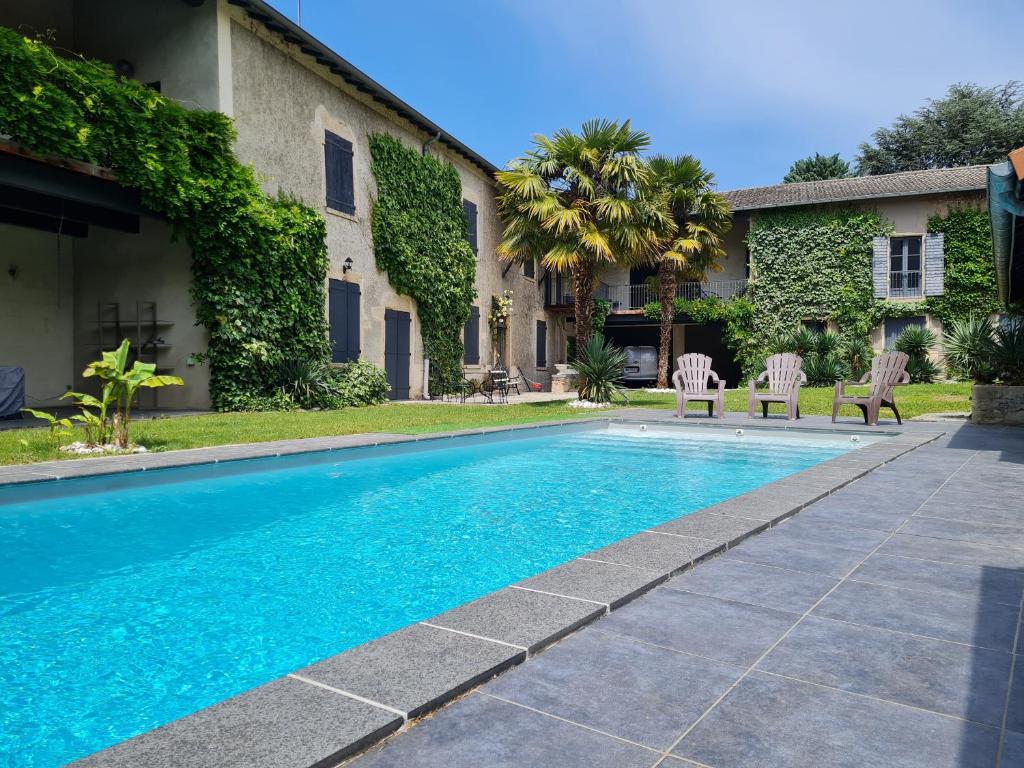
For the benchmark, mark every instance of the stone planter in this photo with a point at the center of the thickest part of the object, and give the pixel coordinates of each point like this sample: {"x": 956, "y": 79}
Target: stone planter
{"x": 563, "y": 382}
{"x": 997, "y": 404}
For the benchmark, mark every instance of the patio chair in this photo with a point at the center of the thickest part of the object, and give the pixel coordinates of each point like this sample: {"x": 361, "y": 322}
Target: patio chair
{"x": 691, "y": 383}
{"x": 784, "y": 377}
{"x": 888, "y": 370}
{"x": 496, "y": 383}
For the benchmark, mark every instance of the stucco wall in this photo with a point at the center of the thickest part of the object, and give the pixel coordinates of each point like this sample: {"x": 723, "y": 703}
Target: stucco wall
{"x": 36, "y": 311}
{"x": 116, "y": 267}
{"x": 282, "y": 106}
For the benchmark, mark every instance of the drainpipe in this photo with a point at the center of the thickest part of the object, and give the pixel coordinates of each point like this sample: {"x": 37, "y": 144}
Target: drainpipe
{"x": 428, "y": 142}
{"x": 426, "y": 378}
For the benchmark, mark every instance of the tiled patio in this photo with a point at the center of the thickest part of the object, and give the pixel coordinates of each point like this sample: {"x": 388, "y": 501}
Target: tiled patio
{"x": 875, "y": 628}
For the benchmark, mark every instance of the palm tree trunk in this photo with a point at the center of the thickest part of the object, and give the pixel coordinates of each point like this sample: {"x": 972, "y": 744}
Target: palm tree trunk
{"x": 583, "y": 286}
{"x": 667, "y": 297}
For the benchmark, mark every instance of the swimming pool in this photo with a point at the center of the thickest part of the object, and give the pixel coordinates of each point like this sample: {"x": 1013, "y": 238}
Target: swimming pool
{"x": 129, "y": 601}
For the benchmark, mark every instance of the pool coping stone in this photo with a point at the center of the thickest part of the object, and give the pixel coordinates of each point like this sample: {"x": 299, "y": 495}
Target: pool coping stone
{"x": 419, "y": 668}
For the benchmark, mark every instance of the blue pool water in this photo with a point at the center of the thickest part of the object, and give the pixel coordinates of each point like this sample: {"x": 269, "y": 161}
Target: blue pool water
{"x": 128, "y": 602}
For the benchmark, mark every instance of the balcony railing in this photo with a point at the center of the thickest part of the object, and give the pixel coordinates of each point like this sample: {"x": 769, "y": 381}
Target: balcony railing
{"x": 625, "y": 297}
{"x": 905, "y": 285}
{"x": 559, "y": 291}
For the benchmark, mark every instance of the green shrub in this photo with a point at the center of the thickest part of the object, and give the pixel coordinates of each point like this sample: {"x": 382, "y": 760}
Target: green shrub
{"x": 857, "y": 354}
{"x": 803, "y": 341}
{"x": 360, "y": 383}
{"x": 825, "y": 370}
{"x": 307, "y": 382}
{"x": 827, "y": 343}
{"x": 918, "y": 342}
{"x": 969, "y": 349}
{"x": 600, "y": 368}
{"x": 1009, "y": 352}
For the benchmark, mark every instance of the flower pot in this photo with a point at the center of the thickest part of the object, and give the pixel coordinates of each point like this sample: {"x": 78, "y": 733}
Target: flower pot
{"x": 997, "y": 404}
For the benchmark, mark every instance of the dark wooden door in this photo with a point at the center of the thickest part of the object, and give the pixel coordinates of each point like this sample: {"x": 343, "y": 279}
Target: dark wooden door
{"x": 343, "y": 313}
{"x": 707, "y": 339}
{"x": 397, "y": 355}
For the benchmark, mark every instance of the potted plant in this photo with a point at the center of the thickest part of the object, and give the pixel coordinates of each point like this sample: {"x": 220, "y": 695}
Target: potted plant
{"x": 992, "y": 356}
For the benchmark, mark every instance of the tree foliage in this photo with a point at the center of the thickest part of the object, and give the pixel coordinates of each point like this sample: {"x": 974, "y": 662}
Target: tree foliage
{"x": 970, "y": 125}
{"x": 575, "y": 202}
{"x": 818, "y": 167}
{"x": 419, "y": 239}
{"x": 259, "y": 264}
{"x": 693, "y": 246}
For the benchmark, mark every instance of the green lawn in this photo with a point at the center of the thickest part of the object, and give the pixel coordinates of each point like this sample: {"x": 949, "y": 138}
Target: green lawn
{"x": 20, "y": 446}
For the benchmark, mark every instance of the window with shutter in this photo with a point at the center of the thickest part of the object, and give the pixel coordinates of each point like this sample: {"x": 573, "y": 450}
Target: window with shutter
{"x": 542, "y": 344}
{"x": 905, "y": 267}
{"x": 471, "y": 338}
{"x": 894, "y": 326}
{"x": 343, "y": 317}
{"x": 880, "y": 266}
{"x": 340, "y": 180}
{"x": 469, "y": 209}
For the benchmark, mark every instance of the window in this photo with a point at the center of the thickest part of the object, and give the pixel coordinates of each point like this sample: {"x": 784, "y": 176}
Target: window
{"x": 530, "y": 269}
{"x": 894, "y": 326}
{"x": 343, "y": 316}
{"x": 471, "y": 338}
{"x": 340, "y": 185}
{"x": 817, "y": 326}
{"x": 469, "y": 209}
{"x": 542, "y": 344}
{"x": 905, "y": 266}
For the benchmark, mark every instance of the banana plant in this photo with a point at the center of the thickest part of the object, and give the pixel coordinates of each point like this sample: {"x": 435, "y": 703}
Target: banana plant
{"x": 121, "y": 384}
{"x": 96, "y": 423}
{"x": 58, "y": 427}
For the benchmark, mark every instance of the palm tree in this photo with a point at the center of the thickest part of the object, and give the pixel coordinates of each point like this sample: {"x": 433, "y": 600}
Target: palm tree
{"x": 701, "y": 217}
{"x": 573, "y": 202}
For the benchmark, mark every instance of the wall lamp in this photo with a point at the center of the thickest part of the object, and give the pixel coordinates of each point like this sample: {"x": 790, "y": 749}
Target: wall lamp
{"x": 346, "y": 266}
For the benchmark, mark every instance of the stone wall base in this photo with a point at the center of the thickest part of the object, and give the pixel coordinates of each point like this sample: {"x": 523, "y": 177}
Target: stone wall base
{"x": 997, "y": 404}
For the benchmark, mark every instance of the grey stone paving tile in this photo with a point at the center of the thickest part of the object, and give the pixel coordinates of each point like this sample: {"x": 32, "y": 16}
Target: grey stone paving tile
{"x": 774, "y": 723}
{"x": 978, "y": 533}
{"x": 619, "y": 686}
{"x": 285, "y": 723}
{"x": 520, "y": 617}
{"x": 482, "y": 731}
{"x": 755, "y": 507}
{"x": 980, "y": 582}
{"x": 415, "y": 669}
{"x": 779, "y": 549}
{"x": 1002, "y": 513}
{"x": 590, "y": 580}
{"x": 940, "y": 676}
{"x": 730, "y": 578}
{"x": 949, "y": 551}
{"x": 962, "y": 620}
{"x": 705, "y": 524}
{"x": 1013, "y": 750}
{"x": 814, "y": 531}
{"x": 656, "y": 551}
{"x": 863, "y": 512}
{"x": 708, "y": 626}
{"x": 1015, "y": 705}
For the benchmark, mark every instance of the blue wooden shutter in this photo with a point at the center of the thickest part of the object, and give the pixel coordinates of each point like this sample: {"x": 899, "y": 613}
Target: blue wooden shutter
{"x": 469, "y": 209}
{"x": 934, "y": 264}
{"x": 542, "y": 344}
{"x": 340, "y": 179}
{"x": 471, "y": 338}
{"x": 880, "y": 266}
{"x": 894, "y": 326}
{"x": 343, "y": 314}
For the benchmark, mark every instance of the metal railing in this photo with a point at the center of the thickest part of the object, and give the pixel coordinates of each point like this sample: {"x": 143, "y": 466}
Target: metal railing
{"x": 624, "y": 297}
{"x": 559, "y": 291}
{"x": 905, "y": 285}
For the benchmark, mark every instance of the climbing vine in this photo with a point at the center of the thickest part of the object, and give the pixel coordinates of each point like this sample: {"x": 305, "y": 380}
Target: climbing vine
{"x": 970, "y": 276}
{"x": 259, "y": 264}
{"x": 419, "y": 238}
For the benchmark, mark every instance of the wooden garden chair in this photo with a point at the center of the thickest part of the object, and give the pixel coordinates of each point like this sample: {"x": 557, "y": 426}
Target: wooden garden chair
{"x": 691, "y": 383}
{"x": 888, "y": 370}
{"x": 784, "y": 377}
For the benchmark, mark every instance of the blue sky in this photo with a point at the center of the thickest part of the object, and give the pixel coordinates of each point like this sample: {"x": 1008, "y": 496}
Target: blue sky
{"x": 748, "y": 86}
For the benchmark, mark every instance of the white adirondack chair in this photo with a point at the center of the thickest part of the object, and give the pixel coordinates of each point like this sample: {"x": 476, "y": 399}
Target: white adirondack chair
{"x": 691, "y": 383}
{"x": 888, "y": 370}
{"x": 784, "y": 378}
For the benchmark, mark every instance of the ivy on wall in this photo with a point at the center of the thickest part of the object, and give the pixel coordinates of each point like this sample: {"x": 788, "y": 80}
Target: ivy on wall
{"x": 970, "y": 276}
{"x": 419, "y": 239}
{"x": 259, "y": 264}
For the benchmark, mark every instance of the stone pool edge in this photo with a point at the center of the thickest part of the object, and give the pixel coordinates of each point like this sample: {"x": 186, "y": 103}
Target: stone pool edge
{"x": 323, "y": 714}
